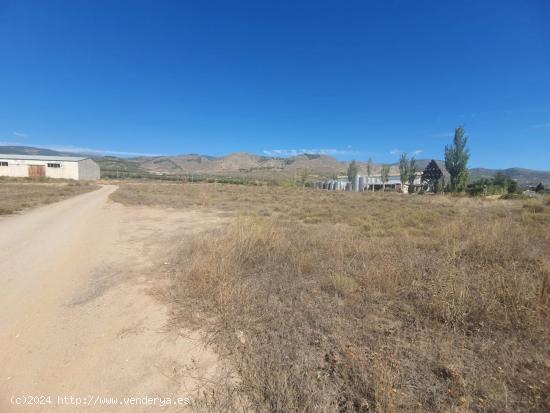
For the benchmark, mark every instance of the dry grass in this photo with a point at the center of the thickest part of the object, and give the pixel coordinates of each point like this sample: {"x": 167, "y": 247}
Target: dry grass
{"x": 19, "y": 194}
{"x": 356, "y": 302}
{"x": 380, "y": 214}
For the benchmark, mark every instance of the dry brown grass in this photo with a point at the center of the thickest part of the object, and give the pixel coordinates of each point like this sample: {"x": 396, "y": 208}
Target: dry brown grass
{"x": 20, "y": 194}
{"x": 362, "y": 302}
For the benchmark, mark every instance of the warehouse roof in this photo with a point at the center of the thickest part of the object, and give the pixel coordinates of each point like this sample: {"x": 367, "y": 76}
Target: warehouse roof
{"x": 42, "y": 158}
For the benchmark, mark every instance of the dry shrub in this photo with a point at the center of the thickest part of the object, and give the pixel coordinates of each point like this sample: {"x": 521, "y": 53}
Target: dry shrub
{"x": 323, "y": 318}
{"x": 17, "y": 194}
{"x": 534, "y": 205}
{"x": 342, "y": 284}
{"x": 361, "y": 302}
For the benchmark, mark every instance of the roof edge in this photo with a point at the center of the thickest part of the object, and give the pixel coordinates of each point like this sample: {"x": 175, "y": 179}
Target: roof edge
{"x": 43, "y": 157}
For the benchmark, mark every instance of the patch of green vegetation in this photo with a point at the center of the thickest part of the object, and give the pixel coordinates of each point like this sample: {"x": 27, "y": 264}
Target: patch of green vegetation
{"x": 112, "y": 167}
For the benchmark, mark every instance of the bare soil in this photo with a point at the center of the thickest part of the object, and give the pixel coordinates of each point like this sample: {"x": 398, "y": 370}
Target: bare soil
{"x": 344, "y": 302}
{"x": 17, "y": 194}
{"x": 78, "y": 316}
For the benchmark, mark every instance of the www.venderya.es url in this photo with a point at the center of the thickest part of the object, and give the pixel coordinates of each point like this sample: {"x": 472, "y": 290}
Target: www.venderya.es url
{"x": 97, "y": 400}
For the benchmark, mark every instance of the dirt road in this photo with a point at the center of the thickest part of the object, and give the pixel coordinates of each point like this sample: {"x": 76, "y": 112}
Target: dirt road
{"x": 78, "y": 324}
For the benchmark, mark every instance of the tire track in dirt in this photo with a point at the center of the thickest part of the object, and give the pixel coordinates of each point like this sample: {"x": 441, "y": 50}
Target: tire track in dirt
{"x": 76, "y": 316}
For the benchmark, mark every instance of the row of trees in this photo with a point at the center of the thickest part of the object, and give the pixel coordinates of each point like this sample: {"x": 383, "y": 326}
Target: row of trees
{"x": 353, "y": 171}
{"x": 455, "y": 179}
{"x": 407, "y": 171}
{"x": 457, "y": 156}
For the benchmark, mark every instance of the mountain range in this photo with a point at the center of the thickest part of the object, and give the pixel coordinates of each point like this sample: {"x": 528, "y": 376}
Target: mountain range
{"x": 253, "y": 166}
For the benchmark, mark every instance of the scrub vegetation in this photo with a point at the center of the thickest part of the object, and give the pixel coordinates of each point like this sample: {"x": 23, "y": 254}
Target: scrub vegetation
{"x": 17, "y": 194}
{"x": 337, "y": 302}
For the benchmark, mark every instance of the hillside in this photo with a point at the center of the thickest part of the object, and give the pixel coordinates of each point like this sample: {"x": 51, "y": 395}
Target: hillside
{"x": 263, "y": 167}
{"x": 115, "y": 167}
{"x": 242, "y": 163}
{"x": 251, "y": 166}
{"x": 29, "y": 150}
{"x": 522, "y": 175}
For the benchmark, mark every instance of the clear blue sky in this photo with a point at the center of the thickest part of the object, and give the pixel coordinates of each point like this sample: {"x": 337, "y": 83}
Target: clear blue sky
{"x": 350, "y": 78}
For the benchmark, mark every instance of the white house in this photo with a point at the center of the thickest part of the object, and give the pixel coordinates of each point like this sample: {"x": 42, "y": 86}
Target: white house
{"x": 34, "y": 166}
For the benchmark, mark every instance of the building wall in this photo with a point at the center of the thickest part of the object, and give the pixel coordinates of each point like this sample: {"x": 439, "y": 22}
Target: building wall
{"x": 88, "y": 170}
{"x": 392, "y": 180}
{"x": 14, "y": 168}
{"x": 67, "y": 169}
{"x": 373, "y": 181}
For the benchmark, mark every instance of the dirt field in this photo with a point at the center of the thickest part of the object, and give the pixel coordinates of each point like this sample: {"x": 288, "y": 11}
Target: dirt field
{"x": 308, "y": 300}
{"x": 365, "y": 302}
{"x": 78, "y": 313}
{"x": 20, "y": 194}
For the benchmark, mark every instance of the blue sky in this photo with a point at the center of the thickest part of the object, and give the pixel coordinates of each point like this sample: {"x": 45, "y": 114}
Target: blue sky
{"x": 349, "y": 78}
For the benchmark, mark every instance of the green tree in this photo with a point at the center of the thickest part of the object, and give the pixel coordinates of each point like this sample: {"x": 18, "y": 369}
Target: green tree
{"x": 500, "y": 179}
{"x": 513, "y": 186}
{"x": 353, "y": 170}
{"x": 456, "y": 160}
{"x": 480, "y": 187}
{"x": 370, "y": 167}
{"x": 305, "y": 176}
{"x": 385, "y": 175}
{"x": 404, "y": 170}
{"x": 504, "y": 183}
{"x": 412, "y": 174}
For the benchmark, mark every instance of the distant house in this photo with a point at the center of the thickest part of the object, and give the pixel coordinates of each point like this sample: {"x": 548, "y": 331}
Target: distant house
{"x": 417, "y": 182}
{"x": 435, "y": 176}
{"x": 34, "y": 166}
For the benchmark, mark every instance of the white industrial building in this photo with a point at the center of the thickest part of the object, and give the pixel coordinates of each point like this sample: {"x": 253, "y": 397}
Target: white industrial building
{"x": 364, "y": 183}
{"x": 34, "y": 166}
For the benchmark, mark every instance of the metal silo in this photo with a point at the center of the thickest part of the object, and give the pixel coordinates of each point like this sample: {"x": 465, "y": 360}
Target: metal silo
{"x": 362, "y": 183}
{"x": 355, "y": 185}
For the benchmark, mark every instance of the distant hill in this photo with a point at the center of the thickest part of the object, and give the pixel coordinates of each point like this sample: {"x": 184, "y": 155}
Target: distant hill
{"x": 523, "y": 176}
{"x": 242, "y": 163}
{"x": 263, "y": 167}
{"x": 251, "y": 166}
{"x": 29, "y": 150}
{"x": 115, "y": 167}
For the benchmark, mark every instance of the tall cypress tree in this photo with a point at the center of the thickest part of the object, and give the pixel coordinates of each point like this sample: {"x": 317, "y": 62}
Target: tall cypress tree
{"x": 384, "y": 175}
{"x": 353, "y": 170}
{"x": 456, "y": 160}
{"x": 370, "y": 166}
{"x": 412, "y": 174}
{"x": 404, "y": 170}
